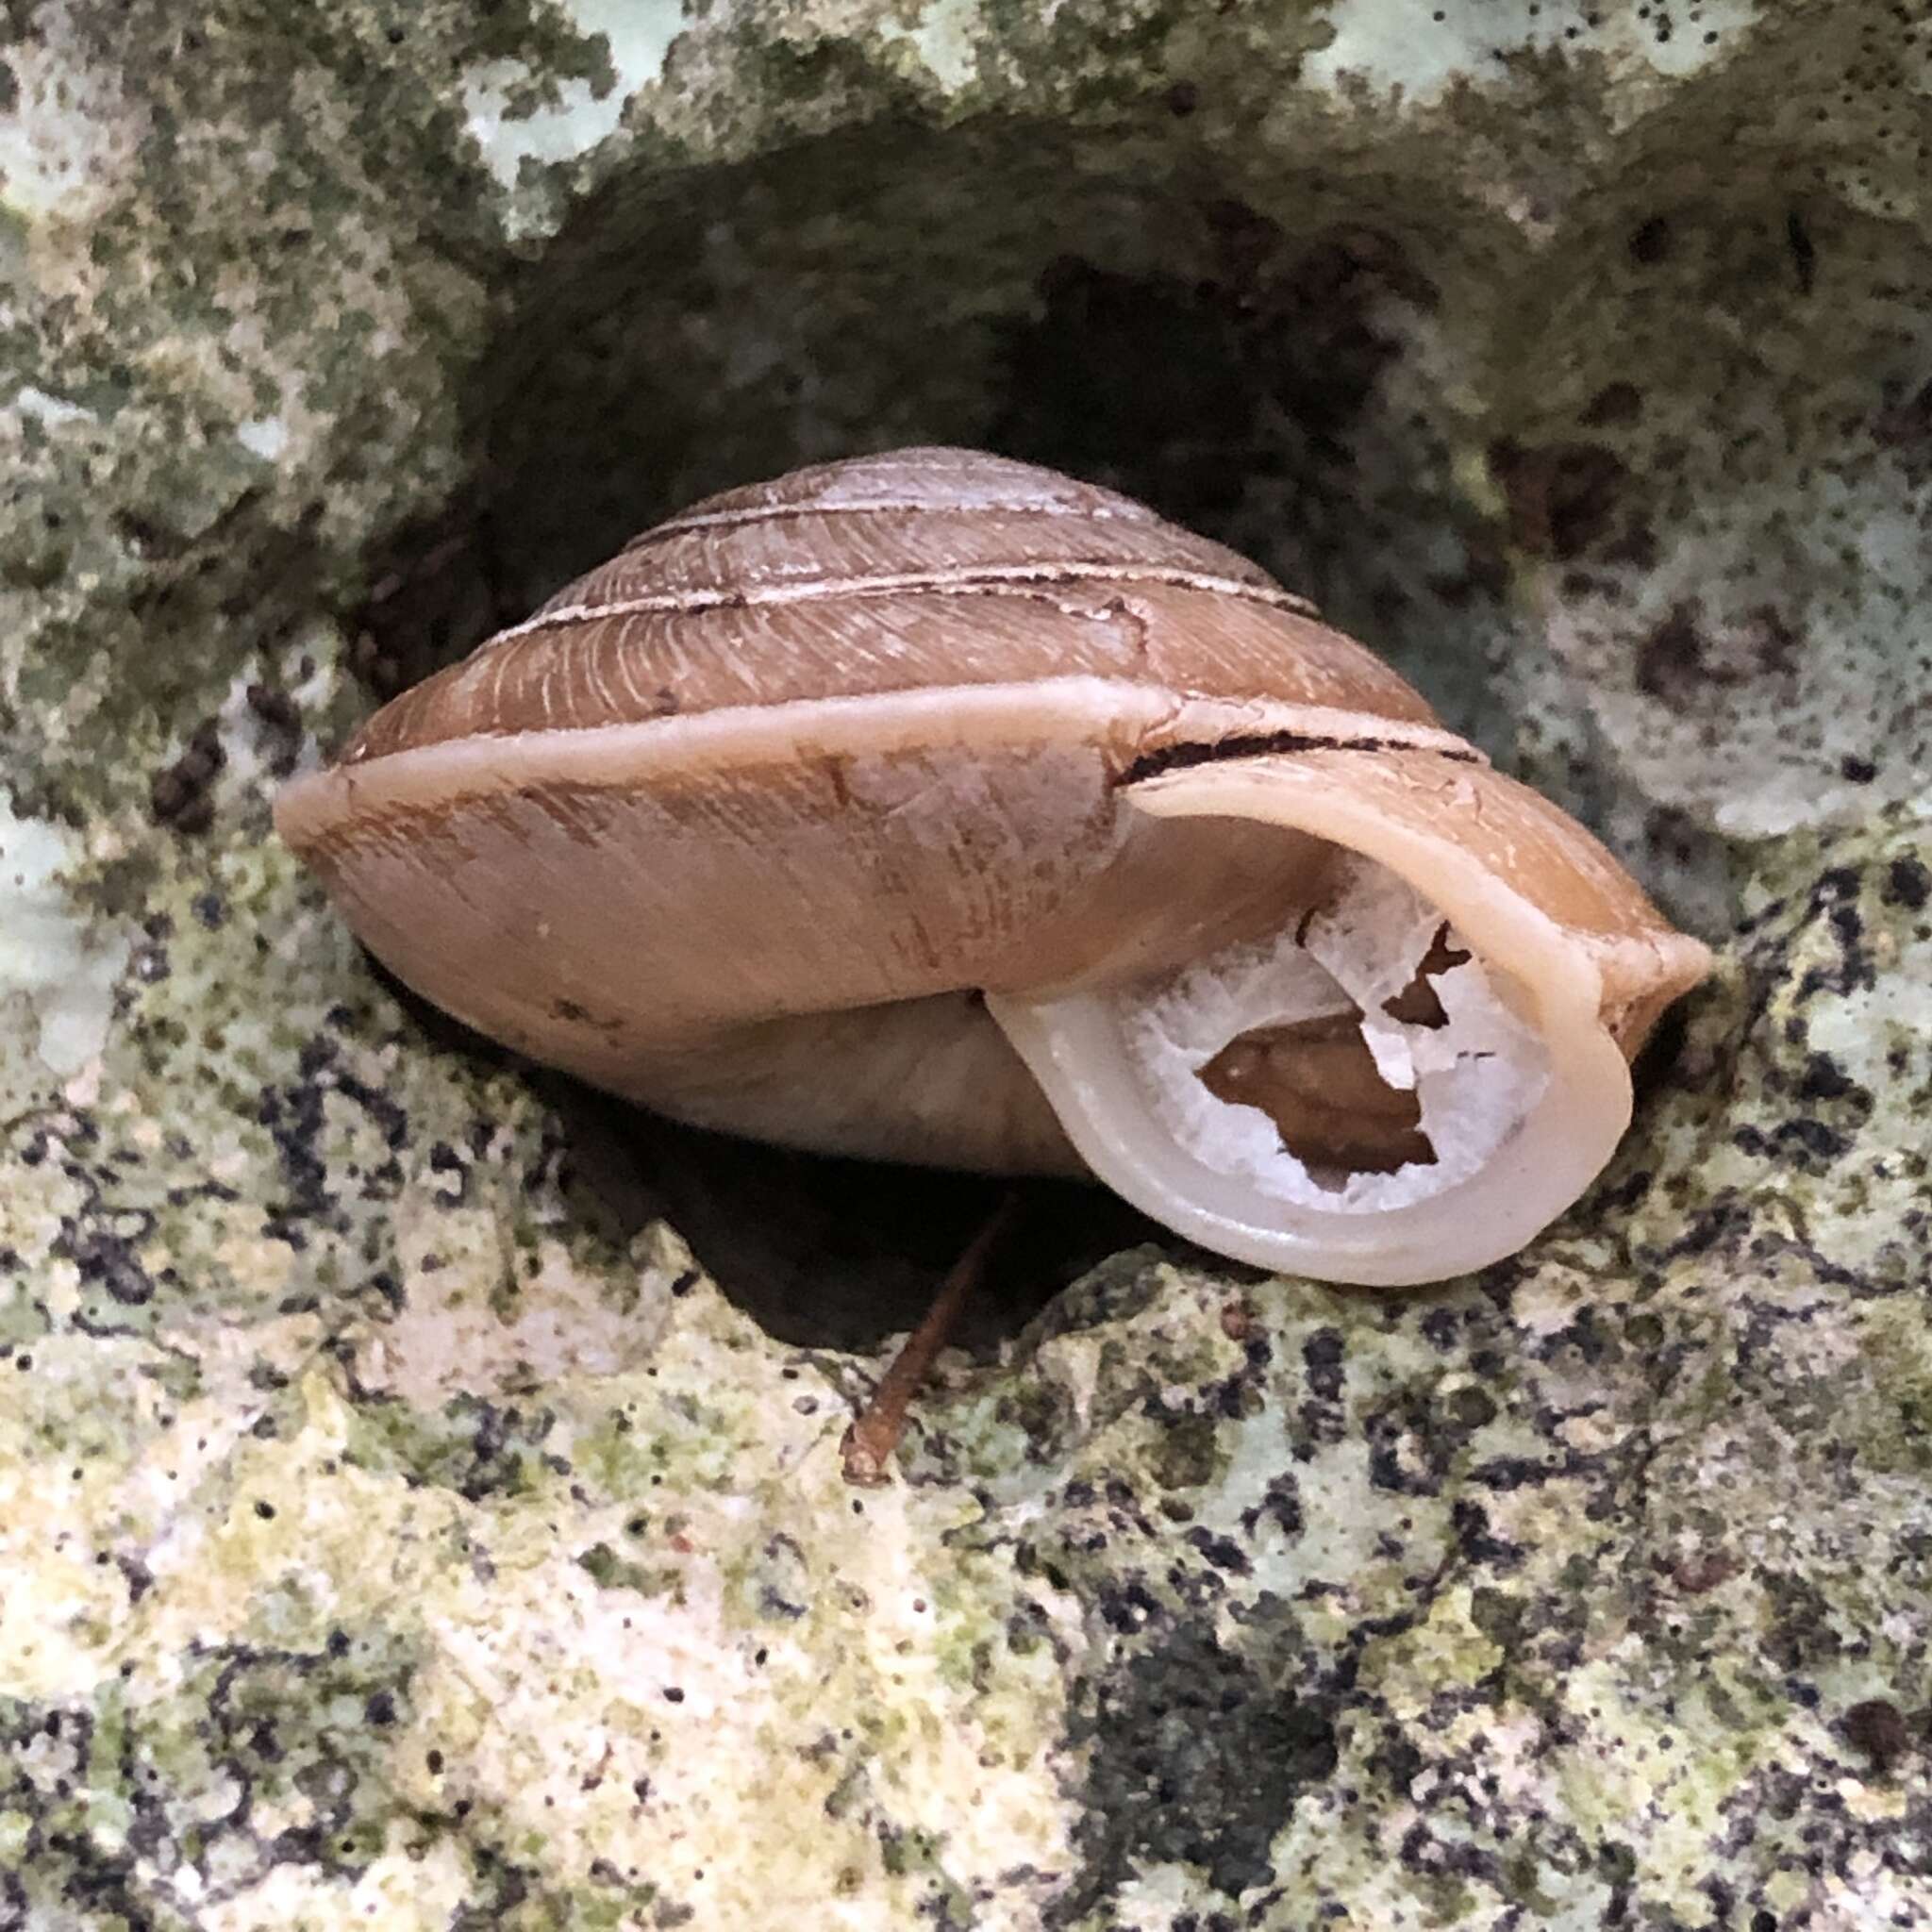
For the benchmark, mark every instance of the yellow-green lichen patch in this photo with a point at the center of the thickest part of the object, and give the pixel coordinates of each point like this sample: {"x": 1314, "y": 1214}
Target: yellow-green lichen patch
{"x": 718, "y": 1601}
{"x": 501, "y": 1676}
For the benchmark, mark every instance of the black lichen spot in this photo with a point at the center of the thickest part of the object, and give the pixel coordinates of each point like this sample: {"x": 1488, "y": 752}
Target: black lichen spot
{"x": 1877, "y": 1727}
{"x": 178, "y": 795}
{"x": 1684, "y": 655}
{"x": 139, "y": 1578}
{"x": 1615, "y": 404}
{"x": 108, "y": 1262}
{"x": 1907, "y": 883}
{"x": 1857, "y": 771}
{"x": 1189, "y": 1454}
{"x": 1669, "y": 660}
{"x": 1415, "y": 1438}
{"x": 1835, "y": 899}
{"x": 275, "y": 708}
{"x": 1825, "y": 1079}
{"x": 1395, "y": 1759}
{"x": 1773, "y": 648}
{"x": 1905, "y": 427}
{"x": 1280, "y": 1503}
{"x": 1223, "y": 1552}
{"x": 1124, "y": 1608}
{"x": 1322, "y": 1359}
{"x": 1448, "y": 1857}
{"x": 271, "y": 1740}
{"x": 469, "y": 1446}
{"x": 1650, "y": 242}
{"x": 1195, "y": 1758}
{"x": 1475, "y": 1539}
{"x": 1469, "y": 1409}
{"x": 1803, "y": 1633}
{"x": 1563, "y": 498}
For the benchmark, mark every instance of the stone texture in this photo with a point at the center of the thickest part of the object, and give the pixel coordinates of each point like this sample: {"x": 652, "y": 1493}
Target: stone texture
{"x": 399, "y": 1525}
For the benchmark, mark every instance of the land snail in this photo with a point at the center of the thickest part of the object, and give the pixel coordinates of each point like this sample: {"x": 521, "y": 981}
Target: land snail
{"x": 937, "y": 807}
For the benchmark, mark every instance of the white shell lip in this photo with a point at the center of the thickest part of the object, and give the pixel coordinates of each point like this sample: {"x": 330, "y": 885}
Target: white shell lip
{"x": 1072, "y": 1045}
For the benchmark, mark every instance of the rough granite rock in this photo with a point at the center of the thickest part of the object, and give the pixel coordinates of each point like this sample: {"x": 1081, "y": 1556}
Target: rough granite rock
{"x": 399, "y": 1525}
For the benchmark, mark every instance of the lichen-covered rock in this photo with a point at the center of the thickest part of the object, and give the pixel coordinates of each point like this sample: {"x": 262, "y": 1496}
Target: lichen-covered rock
{"x": 398, "y": 1523}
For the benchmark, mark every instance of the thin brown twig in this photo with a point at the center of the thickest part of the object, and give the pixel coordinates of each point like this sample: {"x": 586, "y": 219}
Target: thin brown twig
{"x": 876, "y": 1431}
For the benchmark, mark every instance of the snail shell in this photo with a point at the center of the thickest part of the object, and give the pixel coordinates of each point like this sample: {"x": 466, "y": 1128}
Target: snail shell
{"x": 938, "y": 808}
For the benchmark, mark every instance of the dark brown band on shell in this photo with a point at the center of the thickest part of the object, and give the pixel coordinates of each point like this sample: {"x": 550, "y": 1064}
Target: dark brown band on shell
{"x": 1255, "y": 744}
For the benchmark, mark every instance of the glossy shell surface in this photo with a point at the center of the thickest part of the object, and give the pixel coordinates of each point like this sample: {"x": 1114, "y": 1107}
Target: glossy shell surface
{"x": 745, "y": 823}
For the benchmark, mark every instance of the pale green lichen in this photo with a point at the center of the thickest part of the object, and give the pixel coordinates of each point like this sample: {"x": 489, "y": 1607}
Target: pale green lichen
{"x": 520, "y": 117}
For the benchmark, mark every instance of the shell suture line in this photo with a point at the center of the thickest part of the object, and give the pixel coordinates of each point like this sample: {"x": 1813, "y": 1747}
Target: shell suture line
{"x": 882, "y": 506}
{"x": 982, "y": 582}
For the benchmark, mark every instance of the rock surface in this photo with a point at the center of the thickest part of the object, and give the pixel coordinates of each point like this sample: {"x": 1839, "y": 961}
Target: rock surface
{"x": 398, "y": 1525}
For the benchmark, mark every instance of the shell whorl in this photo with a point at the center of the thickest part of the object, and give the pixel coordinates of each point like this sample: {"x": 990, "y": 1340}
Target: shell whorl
{"x": 890, "y": 575}
{"x": 745, "y": 823}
